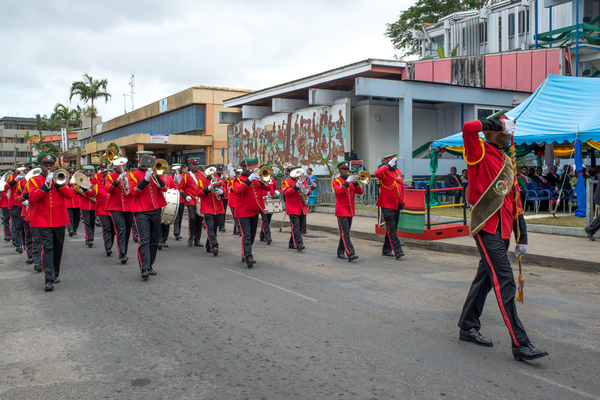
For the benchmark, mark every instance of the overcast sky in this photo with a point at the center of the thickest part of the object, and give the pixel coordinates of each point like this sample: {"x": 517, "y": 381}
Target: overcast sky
{"x": 172, "y": 45}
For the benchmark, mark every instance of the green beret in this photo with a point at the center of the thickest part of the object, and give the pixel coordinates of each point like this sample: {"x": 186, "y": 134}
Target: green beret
{"x": 343, "y": 164}
{"x": 89, "y": 168}
{"x": 42, "y": 158}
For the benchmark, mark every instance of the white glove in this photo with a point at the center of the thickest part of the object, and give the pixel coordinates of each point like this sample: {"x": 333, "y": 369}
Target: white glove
{"x": 19, "y": 177}
{"x": 49, "y": 177}
{"x": 350, "y": 179}
{"x": 219, "y": 192}
{"x": 148, "y": 175}
{"x": 209, "y": 187}
{"x": 296, "y": 185}
{"x": 25, "y": 203}
{"x": 307, "y": 191}
{"x": 393, "y": 162}
{"x": 188, "y": 199}
{"x": 520, "y": 249}
{"x": 177, "y": 178}
{"x": 253, "y": 176}
{"x": 123, "y": 176}
{"x": 509, "y": 126}
{"x": 276, "y": 192}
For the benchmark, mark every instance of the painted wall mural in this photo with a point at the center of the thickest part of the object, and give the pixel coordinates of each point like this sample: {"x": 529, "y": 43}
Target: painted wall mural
{"x": 292, "y": 139}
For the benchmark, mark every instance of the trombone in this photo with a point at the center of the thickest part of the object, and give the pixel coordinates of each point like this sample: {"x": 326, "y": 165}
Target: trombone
{"x": 363, "y": 176}
{"x": 160, "y": 167}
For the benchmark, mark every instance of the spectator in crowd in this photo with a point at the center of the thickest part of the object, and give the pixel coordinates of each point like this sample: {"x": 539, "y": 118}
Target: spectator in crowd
{"x": 553, "y": 177}
{"x": 452, "y": 180}
{"x": 312, "y": 199}
{"x": 531, "y": 172}
{"x": 538, "y": 178}
{"x": 559, "y": 168}
{"x": 523, "y": 179}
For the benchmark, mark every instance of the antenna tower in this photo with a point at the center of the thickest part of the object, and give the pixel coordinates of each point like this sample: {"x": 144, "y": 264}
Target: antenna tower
{"x": 132, "y": 84}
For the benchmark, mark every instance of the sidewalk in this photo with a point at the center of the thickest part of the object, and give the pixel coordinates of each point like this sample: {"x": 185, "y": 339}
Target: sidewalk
{"x": 545, "y": 249}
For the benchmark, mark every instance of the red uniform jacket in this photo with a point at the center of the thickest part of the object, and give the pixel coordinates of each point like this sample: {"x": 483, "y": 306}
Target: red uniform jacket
{"x": 146, "y": 195}
{"x": 391, "y": 191}
{"x": 4, "y": 196}
{"x": 116, "y": 200}
{"x": 270, "y": 190}
{"x": 481, "y": 175}
{"x": 344, "y": 197}
{"x": 293, "y": 202}
{"x": 189, "y": 187}
{"x": 225, "y": 188}
{"x": 15, "y": 192}
{"x": 209, "y": 203}
{"x": 25, "y": 196}
{"x": 49, "y": 208}
{"x": 75, "y": 201}
{"x": 99, "y": 192}
{"x": 85, "y": 199}
{"x": 232, "y": 195}
{"x": 249, "y": 200}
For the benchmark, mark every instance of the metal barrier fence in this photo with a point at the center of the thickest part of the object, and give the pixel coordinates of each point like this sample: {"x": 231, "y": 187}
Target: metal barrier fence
{"x": 325, "y": 195}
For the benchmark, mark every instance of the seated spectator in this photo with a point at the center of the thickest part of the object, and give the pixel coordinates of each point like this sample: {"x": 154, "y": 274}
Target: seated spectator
{"x": 523, "y": 179}
{"x": 553, "y": 177}
{"x": 453, "y": 180}
{"x": 464, "y": 178}
{"x": 566, "y": 178}
{"x": 538, "y": 178}
{"x": 531, "y": 172}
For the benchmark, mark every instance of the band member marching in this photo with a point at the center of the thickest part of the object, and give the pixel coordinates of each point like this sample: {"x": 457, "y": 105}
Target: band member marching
{"x": 4, "y": 194}
{"x": 33, "y": 241}
{"x": 345, "y": 187}
{"x": 225, "y": 197}
{"x": 173, "y": 181}
{"x": 391, "y": 201}
{"x": 16, "y": 186}
{"x": 233, "y": 200}
{"x": 165, "y": 229}
{"x": 49, "y": 216}
{"x": 26, "y": 214}
{"x": 296, "y": 194}
{"x": 248, "y": 204}
{"x": 118, "y": 204}
{"x": 270, "y": 189}
{"x": 188, "y": 188}
{"x": 148, "y": 199}
{"x": 88, "y": 207}
{"x": 493, "y": 189}
{"x": 211, "y": 207}
{"x": 108, "y": 229}
{"x": 73, "y": 208}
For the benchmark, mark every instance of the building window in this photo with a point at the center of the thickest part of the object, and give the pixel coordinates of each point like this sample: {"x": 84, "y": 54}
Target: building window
{"x": 521, "y": 22}
{"x": 483, "y": 112}
{"x": 483, "y": 36}
{"x": 9, "y": 140}
{"x": 500, "y": 34}
{"x": 511, "y": 25}
{"x": 464, "y": 38}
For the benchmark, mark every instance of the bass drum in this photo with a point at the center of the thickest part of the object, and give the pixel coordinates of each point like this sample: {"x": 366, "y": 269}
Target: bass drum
{"x": 169, "y": 212}
{"x": 273, "y": 206}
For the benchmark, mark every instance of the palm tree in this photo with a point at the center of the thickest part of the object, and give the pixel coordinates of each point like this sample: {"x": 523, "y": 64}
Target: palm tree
{"x": 64, "y": 113}
{"x": 28, "y": 137}
{"x": 90, "y": 89}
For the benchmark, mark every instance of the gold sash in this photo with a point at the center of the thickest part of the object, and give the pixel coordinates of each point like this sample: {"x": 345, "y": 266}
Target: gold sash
{"x": 493, "y": 197}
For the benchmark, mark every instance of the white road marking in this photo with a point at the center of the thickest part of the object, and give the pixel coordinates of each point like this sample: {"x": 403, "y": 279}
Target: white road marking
{"x": 270, "y": 284}
{"x": 579, "y": 392}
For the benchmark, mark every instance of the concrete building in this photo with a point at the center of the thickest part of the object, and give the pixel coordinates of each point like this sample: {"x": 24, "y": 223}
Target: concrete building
{"x": 13, "y": 148}
{"x": 176, "y": 128}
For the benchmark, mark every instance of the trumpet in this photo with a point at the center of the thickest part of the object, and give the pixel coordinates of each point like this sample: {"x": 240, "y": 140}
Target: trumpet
{"x": 120, "y": 164}
{"x": 363, "y": 175}
{"x": 297, "y": 173}
{"x": 160, "y": 167}
{"x": 265, "y": 173}
{"x": 60, "y": 177}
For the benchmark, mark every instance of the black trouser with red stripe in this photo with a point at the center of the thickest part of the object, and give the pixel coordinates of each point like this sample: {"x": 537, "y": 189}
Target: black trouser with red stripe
{"x": 28, "y": 240}
{"x": 6, "y": 221}
{"x": 345, "y": 245}
{"x": 74, "y": 217}
{"x": 89, "y": 221}
{"x": 195, "y": 222}
{"x": 236, "y": 224}
{"x": 265, "y": 227}
{"x": 53, "y": 240}
{"x": 247, "y": 226}
{"x": 178, "y": 220}
{"x": 108, "y": 231}
{"x": 148, "y": 226}
{"x": 391, "y": 241}
{"x": 37, "y": 245}
{"x": 164, "y": 232}
{"x": 211, "y": 224}
{"x": 122, "y": 221}
{"x": 296, "y": 236}
{"x": 222, "y": 222}
{"x": 17, "y": 225}
{"x": 494, "y": 273}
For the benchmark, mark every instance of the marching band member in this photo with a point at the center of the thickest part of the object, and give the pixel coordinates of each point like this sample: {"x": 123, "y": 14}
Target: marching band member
{"x": 108, "y": 229}
{"x": 28, "y": 238}
{"x": 391, "y": 201}
{"x": 4, "y": 206}
{"x": 118, "y": 203}
{"x": 16, "y": 208}
{"x": 233, "y": 201}
{"x": 295, "y": 207}
{"x": 166, "y": 228}
{"x": 494, "y": 213}
{"x": 32, "y": 234}
{"x": 188, "y": 188}
{"x": 211, "y": 206}
{"x": 173, "y": 181}
{"x": 346, "y": 187}
{"x": 146, "y": 206}
{"x": 225, "y": 197}
{"x": 49, "y": 216}
{"x": 248, "y": 204}
{"x": 73, "y": 210}
{"x": 265, "y": 229}
{"x": 88, "y": 207}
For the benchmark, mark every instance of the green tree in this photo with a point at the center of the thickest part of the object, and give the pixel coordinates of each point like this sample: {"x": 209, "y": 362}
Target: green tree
{"x": 64, "y": 114}
{"x": 90, "y": 89}
{"x": 423, "y": 12}
{"x": 29, "y": 139}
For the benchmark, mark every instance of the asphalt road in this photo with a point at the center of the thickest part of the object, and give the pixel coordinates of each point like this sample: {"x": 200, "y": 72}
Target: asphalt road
{"x": 297, "y": 325}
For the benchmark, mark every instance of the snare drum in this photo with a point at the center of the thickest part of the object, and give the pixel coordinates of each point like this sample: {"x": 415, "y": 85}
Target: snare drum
{"x": 273, "y": 206}
{"x": 169, "y": 212}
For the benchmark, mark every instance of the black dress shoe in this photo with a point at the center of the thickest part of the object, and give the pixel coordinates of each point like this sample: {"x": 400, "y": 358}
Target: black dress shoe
{"x": 215, "y": 252}
{"x": 191, "y": 241}
{"x": 389, "y": 254}
{"x": 250, "y": 263}
{"x": 108, "y": 253}
{"x": 74, "y": 233}
{"x": 263, "y": 240}
{"x": 342, "y": 256}
{"x": 291, "y": 247}
{"x": 90, "y": 243}
{"x": 165, "y": 245}
{"x": 49, "y": 287}
{"x": 222, "y": 230}
{"x": 526, "y": 353}
{"x": 590, "y": 236}
{"x": 37, "y": 268}
{"x": 135, "y": 239}
{"x": 56, "y": 279}
{"x": 151, "y": 272}
{"x": 269, "y": 241}
{"x": 399, "y": 255}
{"x": 473, "y": 336}
{"x": 123, "y": 259}
{"x": 19, "y": 250}
{"x": 352, "y": 257}
{"x": 30, "y": 261}
{"x": 145, "y": 274}
{"x": 178, "y": 237}
{"x": 70, "y": 234}
{"x": 160, "y": 245}
{"x": 198, "y": 244}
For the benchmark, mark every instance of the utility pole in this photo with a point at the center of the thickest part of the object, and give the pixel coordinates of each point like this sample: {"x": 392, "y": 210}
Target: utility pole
{"x": 131, "y": 93}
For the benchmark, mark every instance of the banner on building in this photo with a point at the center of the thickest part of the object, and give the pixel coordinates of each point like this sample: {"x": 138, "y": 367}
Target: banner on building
{"x": 160, "y": 139}
{"x": 163, "y": 105}
{"x": 65, "y": 139}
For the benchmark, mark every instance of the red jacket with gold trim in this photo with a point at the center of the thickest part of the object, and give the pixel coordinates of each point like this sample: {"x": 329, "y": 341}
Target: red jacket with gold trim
{"x": 249, "y": 200}
{"x": 293, "y": 202}
{"x": 344, "y": 196}
{"x": 391, "y": 188}
{"x": 146, "y": 195}
{"x": 49, "y": 209}
{"x": 116, "y": 200}
{"x": 210, "y": 204}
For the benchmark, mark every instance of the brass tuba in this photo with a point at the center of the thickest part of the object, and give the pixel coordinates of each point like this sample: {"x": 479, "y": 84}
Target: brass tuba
{"x": 265, "y": 173}
{"x": 112, "y": 151}
{"x": 32, "y": 173}
{"x": 161, "y": 167}
{"x": 297, "y": 173}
